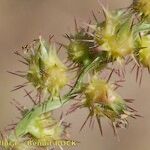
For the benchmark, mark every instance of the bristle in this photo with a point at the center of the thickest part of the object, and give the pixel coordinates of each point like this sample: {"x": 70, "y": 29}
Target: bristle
{"x": 129, "y": 60}
{"x": 58, "y": 50}
{"x": 13, "y": 73}
{"x": 132, "y": 25}
{"x": 115, "y": 131}
{"x": 110, "y": 75}
{"x": 71, "y": 86}
{"x": 31, "y": 98}
{"x": 92, "y": 126}
{"x": 25, "y": 63}
{"x": 103, "y": 8}
{"x": 132, "y": 109}
{"x": 50, "y": 38}
{"x": 13, "y": 124}
{"x": 137, "y": 74}
{"x": 73, "y": 108}
{"x": 99, "y": 124}
{"x": 2, "y": 135}
{"x": 88, "y": 28}
{"x": 94, "y": 16}
{"x": 18, "y": 54}
{"x": 117, "y": 85}
{"x": 76, "y": 26}
{"x": 141, "y": 77}
{"x": 85, "y": 122}
{"x": 9, "y": 129}
{"x": 18, "y": 87}
{"x": 18, "y": 106}
{"x": 129, "y": 100}
{"x": 61, "y": 116}
{"x": 67, "y": 37}
{"x": 133, "y": 68}
{"x": 91, "y": 120}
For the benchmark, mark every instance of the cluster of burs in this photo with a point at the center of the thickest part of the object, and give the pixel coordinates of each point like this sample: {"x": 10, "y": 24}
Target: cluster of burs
{"x": 121, "y": 38}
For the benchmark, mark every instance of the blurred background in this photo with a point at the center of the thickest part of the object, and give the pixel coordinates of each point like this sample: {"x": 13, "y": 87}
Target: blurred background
{"x": 21, "y": 21}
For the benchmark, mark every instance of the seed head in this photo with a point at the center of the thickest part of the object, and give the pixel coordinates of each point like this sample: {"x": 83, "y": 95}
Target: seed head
{"x": 45, "y": 70}
{"x": 45, "y": 127}
{"x": 115, "y": 35}
{"x": 103, "y": 101}
{"x": 80, "y": 48}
